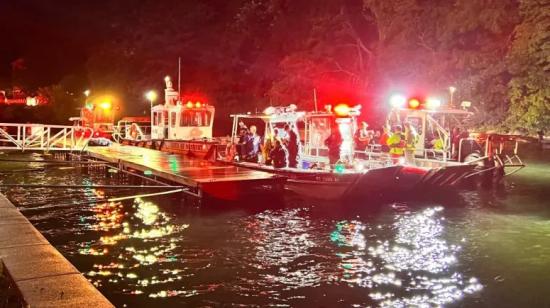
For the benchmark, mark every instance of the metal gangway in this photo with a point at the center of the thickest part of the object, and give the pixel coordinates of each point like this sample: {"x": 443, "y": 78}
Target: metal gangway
{"x": 41, "y": 137}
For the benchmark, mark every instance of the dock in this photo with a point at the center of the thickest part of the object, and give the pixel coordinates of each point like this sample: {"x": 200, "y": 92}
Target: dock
{"x": 41, "y": 275}
{"x": 200, "y": 177}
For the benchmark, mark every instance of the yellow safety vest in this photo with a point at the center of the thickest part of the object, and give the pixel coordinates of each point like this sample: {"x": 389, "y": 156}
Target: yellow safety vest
{"x": 396, "y": 144}
{"x": 438, "y": 144}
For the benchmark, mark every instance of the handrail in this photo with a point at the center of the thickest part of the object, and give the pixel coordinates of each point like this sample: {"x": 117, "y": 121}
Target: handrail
{"x": 43, "y": 137}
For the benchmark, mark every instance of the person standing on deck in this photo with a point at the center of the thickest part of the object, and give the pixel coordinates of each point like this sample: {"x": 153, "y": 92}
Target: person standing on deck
{"x": 269, "y": 144}
{"x": 411, "y": 138}
{"x": 252, "y": 145}
{"x": 334, "y": 142}
{"x": 396, "y": 143}
{"x": 279, "y": 155}
{"x": 362, "y": 137}
{"x": 242, "y": 133}
{"x": 293, "y": 145}
{"x": 383, "y": 141}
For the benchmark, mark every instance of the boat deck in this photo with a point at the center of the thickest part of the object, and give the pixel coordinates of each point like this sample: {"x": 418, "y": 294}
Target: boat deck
{"x": 200, "y": 176}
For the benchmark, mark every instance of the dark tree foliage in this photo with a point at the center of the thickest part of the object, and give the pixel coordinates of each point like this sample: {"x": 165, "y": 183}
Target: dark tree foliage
{"x": 243, "y": 55}
{"x": 529, "y": 63}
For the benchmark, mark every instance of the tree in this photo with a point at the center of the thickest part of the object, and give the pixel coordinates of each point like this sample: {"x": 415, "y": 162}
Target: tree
{"x": 529, "y": 63}
{"x": 426, "y": 46}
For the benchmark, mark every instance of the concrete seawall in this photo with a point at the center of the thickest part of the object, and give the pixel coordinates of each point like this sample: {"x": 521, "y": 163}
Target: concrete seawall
{"x": 43, "y": 277}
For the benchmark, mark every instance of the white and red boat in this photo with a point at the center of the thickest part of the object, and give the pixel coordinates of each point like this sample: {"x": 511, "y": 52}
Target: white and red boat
{"x": 179, "y": 125}
{"x": 370, "y": 171}
{"x": 185, "y": 127}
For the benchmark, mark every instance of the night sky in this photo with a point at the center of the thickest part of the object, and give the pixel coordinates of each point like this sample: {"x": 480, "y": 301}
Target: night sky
{"x": 51, "y": 36}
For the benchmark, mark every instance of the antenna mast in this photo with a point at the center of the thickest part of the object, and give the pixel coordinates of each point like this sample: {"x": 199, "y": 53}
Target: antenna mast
{"x": 179, "y": 77}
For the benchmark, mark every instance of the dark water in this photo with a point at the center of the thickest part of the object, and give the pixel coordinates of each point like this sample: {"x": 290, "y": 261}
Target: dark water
{"x": 470, "y": 249}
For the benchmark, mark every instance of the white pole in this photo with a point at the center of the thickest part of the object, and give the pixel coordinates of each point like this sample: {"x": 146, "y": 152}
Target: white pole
{"x": 315, "y": 98}
{"x": 179, "y": 77}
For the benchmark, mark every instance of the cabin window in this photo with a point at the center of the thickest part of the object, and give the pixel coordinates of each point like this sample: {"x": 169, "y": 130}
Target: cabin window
{"x": 173, "y": 119}
{"x": 155, "y": 119}
{"x": 416, "y": 122}
{"x": 165, "y": 116}
{"x": 319, "y": 131}
{"x": 199, "y": 118}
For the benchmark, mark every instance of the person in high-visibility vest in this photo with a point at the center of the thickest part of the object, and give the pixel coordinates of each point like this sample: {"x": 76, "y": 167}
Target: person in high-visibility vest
{"x": 396, "y": 142}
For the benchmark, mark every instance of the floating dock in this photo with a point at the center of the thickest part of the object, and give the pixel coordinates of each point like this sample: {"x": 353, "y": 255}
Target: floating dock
{"x": 200, "y": 177}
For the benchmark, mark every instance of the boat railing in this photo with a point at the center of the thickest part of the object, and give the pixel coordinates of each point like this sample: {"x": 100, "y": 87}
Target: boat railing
{"x": 131, "y": 131}
{"x": 41, "y": 137}
{"x": 513, "y": 162}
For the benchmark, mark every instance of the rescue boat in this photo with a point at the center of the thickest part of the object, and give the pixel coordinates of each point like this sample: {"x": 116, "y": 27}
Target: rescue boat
{"x": 442, "y": 158}
{"x": 176, "y": 126}
{"x": 365, "y": 172}
{"x": 95, "y": 122}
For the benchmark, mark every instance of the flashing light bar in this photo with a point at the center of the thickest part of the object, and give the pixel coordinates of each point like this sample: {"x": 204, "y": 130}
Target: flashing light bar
{"x": 433, "y": 103}
{"x": 342, "y": 110}
{"x": 197, "y": 104}
{"x": 399, "y": 101}
{"x": 414, "y": 103}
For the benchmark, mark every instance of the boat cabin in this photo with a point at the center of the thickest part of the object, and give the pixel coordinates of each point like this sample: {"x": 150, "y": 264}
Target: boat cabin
{"x": 436, "y": 128}
{"x": 312, "y": 127}
{"x": 179, "y": 120}
{"x": 191, "y": 120}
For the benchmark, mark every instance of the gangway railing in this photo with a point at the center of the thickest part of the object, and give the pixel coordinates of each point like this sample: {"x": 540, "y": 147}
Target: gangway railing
{"x": 39, "y": 137}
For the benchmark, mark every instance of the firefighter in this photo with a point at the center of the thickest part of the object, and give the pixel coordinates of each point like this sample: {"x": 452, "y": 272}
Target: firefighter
{"x": 334, "y": 142}
{"x": 411, "y": 138}
{"x": 252, "y": 145}
{"x": 293, "y": 146}
{"x": 362, "y": 137}
{"x": 396, "y": 143}
{"x": 242, "y": 135}
{"x": 269, "y": 144}
{"x": 383, "y": 140}
{"x": 279, "y": 155}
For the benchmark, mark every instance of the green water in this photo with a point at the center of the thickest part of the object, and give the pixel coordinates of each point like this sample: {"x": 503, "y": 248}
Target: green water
{"x": 480, "y": 248}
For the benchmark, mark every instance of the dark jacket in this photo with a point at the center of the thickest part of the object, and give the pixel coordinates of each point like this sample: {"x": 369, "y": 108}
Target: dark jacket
{"x": 279, "y": 156}
{"x": 252, "y": 147}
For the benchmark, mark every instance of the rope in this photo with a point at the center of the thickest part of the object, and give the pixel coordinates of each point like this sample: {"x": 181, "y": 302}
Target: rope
{"x": 146, "y": 195}
{"x": 51, "y": 161}
{"x": 87, "y": 186}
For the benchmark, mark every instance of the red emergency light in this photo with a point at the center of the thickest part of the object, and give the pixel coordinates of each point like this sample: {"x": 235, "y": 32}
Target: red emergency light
{"x": 197, "y": 104}
{"x": 400, "y": 101}
{"x": 414, "y": 103}
{"x": 342, "y": 110}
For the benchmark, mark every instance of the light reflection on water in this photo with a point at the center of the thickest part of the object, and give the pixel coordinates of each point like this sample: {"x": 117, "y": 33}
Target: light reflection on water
{"x": 143, "y": 240}
{"x": 426, "y": 255}
{"x": 416, "y": 267}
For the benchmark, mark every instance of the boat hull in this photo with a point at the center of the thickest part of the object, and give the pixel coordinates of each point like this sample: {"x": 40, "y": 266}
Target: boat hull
{"x": 380, "y": 183}
{"x": 327, "y": 185}
{"x": 195, "y": 148}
